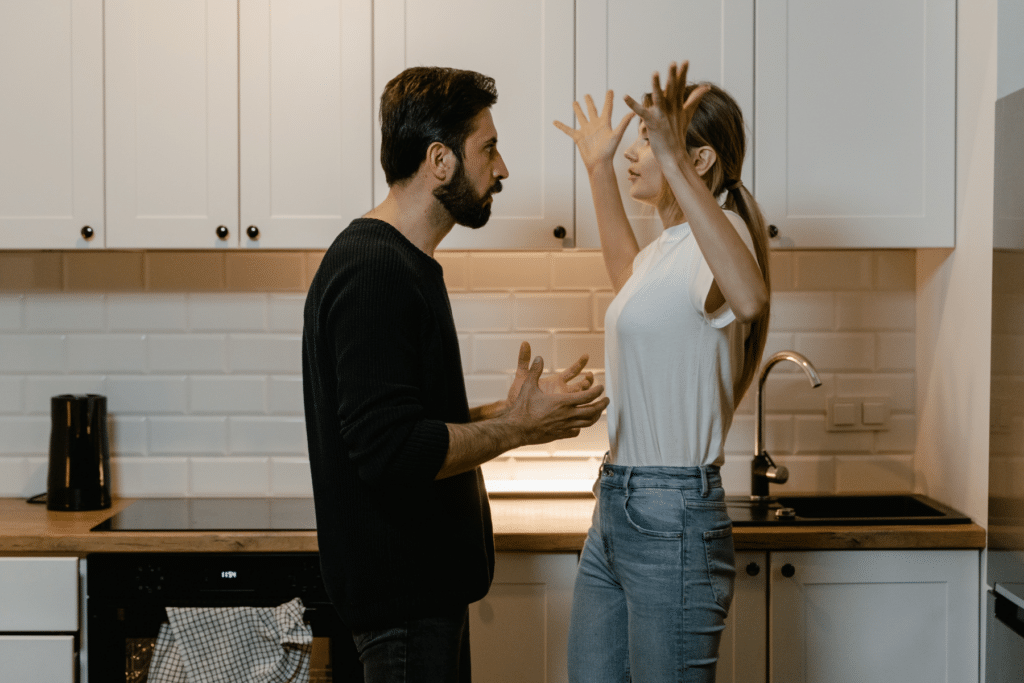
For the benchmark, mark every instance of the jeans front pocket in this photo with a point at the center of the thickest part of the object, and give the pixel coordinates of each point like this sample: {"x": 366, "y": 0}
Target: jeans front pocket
{"x": 656, "y": 512}
{"x": 721, "y": 560}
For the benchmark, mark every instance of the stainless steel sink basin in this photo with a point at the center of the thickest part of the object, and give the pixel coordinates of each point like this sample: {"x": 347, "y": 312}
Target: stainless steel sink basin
{"x": 871, "y": 510}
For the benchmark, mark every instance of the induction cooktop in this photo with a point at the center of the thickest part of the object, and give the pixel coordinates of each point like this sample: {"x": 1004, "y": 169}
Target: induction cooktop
{"x": 213, "y": 514}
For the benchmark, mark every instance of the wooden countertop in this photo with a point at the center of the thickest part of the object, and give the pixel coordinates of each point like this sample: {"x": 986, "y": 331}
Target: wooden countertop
{"x": 528, "y": 524}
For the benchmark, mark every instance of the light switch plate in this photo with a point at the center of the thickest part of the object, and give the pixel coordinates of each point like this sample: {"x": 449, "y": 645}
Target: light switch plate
{"x": 857, "y": 413}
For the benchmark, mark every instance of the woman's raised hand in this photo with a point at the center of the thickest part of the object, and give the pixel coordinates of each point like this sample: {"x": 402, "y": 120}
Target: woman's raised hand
{"x": 595, "y": 138}
{"x": 669, "y": 115}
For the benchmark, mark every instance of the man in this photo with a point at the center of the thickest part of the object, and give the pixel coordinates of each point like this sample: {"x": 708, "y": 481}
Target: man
{"x": 403, "y": 522}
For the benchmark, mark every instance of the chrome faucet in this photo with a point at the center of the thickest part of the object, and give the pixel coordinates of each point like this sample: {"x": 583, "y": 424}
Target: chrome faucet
{"x": 763, "y": 469}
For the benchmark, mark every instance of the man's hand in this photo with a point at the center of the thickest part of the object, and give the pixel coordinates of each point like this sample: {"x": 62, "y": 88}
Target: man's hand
{"x": 562, "y": 383}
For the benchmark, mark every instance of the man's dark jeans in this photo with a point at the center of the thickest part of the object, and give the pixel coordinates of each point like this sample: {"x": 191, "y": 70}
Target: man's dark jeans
{"x": 421, "y": 650}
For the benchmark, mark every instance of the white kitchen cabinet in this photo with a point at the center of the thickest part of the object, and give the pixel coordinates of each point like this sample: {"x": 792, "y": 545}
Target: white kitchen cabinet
{"x": 306, "y": 116}
{"x": 743, "y": 650}
{"x": 38, "y": 618}
{"x": 879, "y": 615}
{"x": 236, "y": 124}
{"x": 620, "y": 43}
{"x": 51, "y": 124}
{"x": 855, "y": 122}
{"x": 171, "y": 123}
{"x": 527, "y": 47}
{"x": 520, "y": 631}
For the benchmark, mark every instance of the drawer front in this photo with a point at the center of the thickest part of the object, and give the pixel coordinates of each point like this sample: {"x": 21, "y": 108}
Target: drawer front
{"x": 39, "y": 593}
{"x": 38, "y": 659}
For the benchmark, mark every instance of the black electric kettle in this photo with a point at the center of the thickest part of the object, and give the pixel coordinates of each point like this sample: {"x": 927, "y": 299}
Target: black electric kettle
{"x": 79, "y": 473}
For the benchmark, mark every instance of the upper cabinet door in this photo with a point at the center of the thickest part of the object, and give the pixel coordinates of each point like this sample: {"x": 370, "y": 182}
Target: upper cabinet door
{"x": 51, "y": 124}
{"x": 527, "y": 47}
{"x": 172, "y": 123}
{"x": 855, "y": 129}
{"x": 621, "y": 43}
{"x": 306, "y": 120}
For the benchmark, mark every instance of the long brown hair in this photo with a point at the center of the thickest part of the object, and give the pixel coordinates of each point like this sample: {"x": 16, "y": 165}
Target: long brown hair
{"x": 718, "y": 123}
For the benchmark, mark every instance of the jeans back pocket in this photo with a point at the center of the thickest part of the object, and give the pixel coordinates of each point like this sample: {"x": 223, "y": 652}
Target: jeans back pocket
{"x": 721, "y": 559}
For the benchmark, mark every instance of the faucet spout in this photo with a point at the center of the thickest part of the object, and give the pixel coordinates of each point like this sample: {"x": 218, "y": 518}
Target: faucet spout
{"x": 763, "y": 469}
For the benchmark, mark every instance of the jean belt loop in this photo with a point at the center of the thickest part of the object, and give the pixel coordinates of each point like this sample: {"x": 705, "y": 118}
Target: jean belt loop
{"x": 704, "y": 488}
{"x": 625, "y": 484}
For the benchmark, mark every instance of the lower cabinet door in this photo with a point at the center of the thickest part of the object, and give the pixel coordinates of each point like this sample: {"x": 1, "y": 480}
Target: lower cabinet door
{"x": 520, "y": 632}
{"x": 910, "y": 616}
{"x": 741, "y": 655}
{"x": 37, "y": 659}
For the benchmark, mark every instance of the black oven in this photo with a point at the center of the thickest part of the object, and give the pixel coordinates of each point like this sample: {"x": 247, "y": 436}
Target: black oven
{"x": 127, "y": 593}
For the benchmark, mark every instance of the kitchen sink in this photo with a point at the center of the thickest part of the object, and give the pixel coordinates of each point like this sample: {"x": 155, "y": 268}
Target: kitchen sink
{"x": 843, "y": 509}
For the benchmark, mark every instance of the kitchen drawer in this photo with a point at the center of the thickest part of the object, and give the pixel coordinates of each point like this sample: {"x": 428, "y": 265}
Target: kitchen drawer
{"x": 39, "y": 594}
{"x": 38, "y": 659}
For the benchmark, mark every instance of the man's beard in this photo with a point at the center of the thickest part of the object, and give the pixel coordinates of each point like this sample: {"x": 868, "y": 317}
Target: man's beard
{"x": 463, "y": 203}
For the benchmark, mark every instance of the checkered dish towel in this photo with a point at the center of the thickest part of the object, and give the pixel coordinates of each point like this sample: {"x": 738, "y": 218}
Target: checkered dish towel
{"x": 233, "y": 645}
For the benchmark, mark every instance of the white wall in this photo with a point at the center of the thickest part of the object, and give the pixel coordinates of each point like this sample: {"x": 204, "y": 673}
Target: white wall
{"x": 954, "y": 293}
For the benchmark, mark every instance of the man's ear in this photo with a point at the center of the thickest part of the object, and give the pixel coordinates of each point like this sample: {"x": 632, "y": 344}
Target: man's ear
{"x": 703, "y": 159}
{"x": 440, "y": 161}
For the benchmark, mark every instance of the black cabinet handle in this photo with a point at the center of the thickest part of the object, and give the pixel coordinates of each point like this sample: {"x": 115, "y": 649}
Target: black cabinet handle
{"x": 222, "y": 232}
{"x": 253, "y": 232}
{"x": 773, "y": 231}
{"x": 87, "y": 233}
{"x": 560, "y": 232}
{"x": 788, "y": 570}
{"x": 753, "y": 569}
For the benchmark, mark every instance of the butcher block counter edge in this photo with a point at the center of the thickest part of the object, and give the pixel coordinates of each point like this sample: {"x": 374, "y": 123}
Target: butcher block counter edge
{"x": 529, "y": 524}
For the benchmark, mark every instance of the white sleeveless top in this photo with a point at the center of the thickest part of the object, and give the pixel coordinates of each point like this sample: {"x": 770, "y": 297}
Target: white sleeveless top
{"x": 670, "y": 368}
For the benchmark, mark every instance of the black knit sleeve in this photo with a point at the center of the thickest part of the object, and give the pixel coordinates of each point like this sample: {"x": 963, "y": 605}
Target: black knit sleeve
{"x": 374, "y": 312}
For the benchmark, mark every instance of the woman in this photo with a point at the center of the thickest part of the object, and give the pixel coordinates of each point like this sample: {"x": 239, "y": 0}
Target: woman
{"x": 683, "y": 339}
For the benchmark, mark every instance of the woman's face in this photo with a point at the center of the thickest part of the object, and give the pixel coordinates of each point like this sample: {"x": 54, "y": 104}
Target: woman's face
{"x": 645, "y": 177}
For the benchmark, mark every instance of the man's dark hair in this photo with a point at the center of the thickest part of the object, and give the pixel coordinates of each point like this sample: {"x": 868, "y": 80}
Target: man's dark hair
{"x": 426, "y": 104}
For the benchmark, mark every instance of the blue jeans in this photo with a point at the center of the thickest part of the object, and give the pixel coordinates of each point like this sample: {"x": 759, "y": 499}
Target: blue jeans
{"x": 421, "y": 650}
{"x": 655, "y": 579}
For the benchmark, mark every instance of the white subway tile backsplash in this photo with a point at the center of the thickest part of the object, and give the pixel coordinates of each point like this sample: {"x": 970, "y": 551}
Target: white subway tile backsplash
{"x": 838, "y": 352}
{"x": 896, "y": 351}
{"x": 186, "y": 434}
{"x": 491, "y": 312}
{"x": 25, "y": 435}
{"x": 226, "y": 395}
{"x": 39, "y": 389}
{"x": 229, "y": 476}
{"x": 803, "y": 311}
{"x": 568, "y": 312}
{"x": 11, "y": 313}
{"x": 500, "y": 352}
{"x": 128, "y": 434}
{"x": 32, "y": 353}
{"x": 92, "y": 353}
{"x": 146, "y": 394}
{"x": 150, "y": 477}
{"x": 285, "y": 395}
{"x": 65, "y": 313}
{"x": 268, "y": 353}
{"x": 875, "y": 311}
{"x": 807, "y": 474}
{"x": 290, "y": 477}
{"x": 12, "y": 395}
{"x": 200, "y": 353}
{"x": 284, "y": 312}
{"x": 878, "y": 473}
{"x": 272, "y": 435}
{"x": 146, "y": 312}
{"x": 227, "y": 312}
{"x": 205, "y": 391}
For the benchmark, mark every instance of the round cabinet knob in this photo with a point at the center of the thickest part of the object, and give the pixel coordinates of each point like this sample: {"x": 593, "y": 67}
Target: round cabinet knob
{"x": 753, "y": 569}
{"x": 253, "y": 232}
{"x": 88, "y": 233}
{"x": 222, "y": 232}
{"x": 788, "y": 570}
{"x": 560, "y": 232}
{"x": 773, "y": 231}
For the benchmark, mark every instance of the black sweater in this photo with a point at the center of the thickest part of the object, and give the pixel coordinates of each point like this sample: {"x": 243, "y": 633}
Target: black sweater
{"x": 382, "y": 374}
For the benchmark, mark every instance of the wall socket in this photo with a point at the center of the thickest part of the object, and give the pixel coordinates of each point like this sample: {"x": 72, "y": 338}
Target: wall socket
{"x": 857, "y": 413}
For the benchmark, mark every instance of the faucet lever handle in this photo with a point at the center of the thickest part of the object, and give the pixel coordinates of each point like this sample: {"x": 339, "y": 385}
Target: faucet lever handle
{"x": 777, "y": 474}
